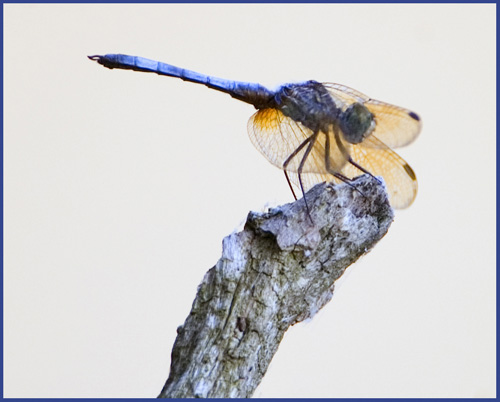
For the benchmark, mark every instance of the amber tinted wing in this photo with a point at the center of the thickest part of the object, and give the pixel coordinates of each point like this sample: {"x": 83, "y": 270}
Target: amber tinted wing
{"x": 278, "y": 137}
{"x": 376, "y": 157}
{"x": 395, "y": 126}
{"x": 379, "y": 160}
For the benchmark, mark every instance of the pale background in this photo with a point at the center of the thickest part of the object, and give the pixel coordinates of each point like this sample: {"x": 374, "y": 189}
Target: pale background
{"x": 120, "y": 186}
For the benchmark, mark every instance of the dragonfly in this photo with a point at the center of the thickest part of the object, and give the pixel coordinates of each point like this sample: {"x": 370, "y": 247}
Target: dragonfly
{"x": 315, "y": 132}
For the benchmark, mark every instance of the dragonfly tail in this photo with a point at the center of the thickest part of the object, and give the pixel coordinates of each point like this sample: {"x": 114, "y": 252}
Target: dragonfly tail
{"x": 254, "y": 94}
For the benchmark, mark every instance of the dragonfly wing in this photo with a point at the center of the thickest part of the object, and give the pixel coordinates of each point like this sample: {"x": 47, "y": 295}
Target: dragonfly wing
{"x": 380, "y": 160}
{"x": 279, "y": 137}
{"x": 395, "y": 126}
{"x": 345, "y": 94}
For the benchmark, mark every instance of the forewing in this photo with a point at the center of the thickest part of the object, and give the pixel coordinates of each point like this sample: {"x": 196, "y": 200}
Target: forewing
{"x": 279, "y": 137}
{"x": 395, "y": 126}
{"x": 345, "y": 94}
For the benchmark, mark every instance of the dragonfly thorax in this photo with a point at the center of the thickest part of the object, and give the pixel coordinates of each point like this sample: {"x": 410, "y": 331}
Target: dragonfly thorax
{"x": 308, "y": 103}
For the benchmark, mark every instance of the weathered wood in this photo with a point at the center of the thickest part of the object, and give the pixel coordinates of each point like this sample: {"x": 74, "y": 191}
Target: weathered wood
{"x": 277, "y": 272}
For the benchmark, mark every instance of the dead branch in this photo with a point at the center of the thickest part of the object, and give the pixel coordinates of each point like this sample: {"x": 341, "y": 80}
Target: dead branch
{"x": 278, "y": 271}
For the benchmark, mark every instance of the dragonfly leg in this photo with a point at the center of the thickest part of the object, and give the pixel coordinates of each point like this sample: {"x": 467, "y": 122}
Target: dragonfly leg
{"x": 290, "y": 184}
{"x": 289, "y": 158}
{"x": 312, "y": 140}
{"x": 362, "y": 169}
{"x": 329, "y": 168}
{"x": 297, "y": 150}
{"x": 349, "y": 159}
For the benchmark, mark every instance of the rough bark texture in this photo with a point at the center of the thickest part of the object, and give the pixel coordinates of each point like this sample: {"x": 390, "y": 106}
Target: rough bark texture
{"x": 277, "y": 272}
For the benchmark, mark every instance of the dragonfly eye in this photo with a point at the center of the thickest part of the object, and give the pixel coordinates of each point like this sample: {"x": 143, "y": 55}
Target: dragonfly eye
{"x": 356, "y": 122}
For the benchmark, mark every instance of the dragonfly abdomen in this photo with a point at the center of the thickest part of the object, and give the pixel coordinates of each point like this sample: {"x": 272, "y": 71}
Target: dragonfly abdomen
{"x": 254, "y": 94}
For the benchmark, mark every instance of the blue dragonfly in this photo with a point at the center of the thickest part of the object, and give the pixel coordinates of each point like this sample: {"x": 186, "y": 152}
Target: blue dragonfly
{"x": 314, "y": 132}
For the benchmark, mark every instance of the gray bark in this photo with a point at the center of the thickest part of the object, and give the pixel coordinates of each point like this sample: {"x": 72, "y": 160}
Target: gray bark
{"x": 275, "y": 273}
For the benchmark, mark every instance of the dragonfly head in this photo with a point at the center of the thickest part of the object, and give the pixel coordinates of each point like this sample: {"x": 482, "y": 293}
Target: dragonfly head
{"x": 356, "y": 123}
